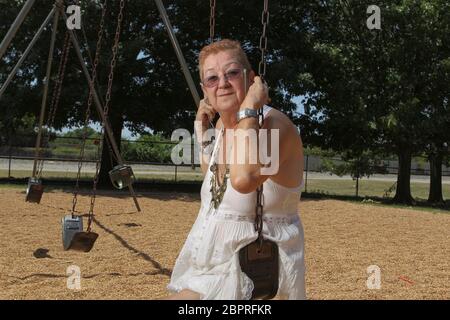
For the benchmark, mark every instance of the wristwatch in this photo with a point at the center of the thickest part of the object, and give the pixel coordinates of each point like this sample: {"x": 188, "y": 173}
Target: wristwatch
{"x": 246, "y": 113}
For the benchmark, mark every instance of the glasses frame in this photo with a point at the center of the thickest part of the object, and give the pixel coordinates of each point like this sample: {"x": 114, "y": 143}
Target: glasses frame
{"x": 226, "y": 76}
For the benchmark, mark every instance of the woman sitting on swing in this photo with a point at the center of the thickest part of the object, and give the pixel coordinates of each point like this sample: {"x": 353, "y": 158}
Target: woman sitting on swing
{"x": 208, "y": 265}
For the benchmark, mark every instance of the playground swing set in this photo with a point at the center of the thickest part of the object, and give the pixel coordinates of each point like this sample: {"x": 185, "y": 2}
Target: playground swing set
{"x": 259, "y": 260}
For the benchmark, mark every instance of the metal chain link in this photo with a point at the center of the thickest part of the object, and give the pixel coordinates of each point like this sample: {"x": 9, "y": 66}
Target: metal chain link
{"x": 262, "y": 73}
{"x": 263, "y": 40}
{"x": 212, "y": 20}
{"x": 55, "y": 97}
{"x": 60, "y": 80}
{"x": 111, "y": 74}
{"x": 87, "y": 115}
{"x": 113, "y": 60}
{"x": 105, "y": 112}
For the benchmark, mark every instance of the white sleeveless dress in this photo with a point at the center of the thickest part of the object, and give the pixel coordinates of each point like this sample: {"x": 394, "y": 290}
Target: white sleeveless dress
{"x": 209, "y": 260}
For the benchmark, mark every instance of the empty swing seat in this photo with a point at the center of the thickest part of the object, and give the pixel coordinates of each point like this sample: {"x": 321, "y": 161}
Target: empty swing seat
{"x": 121, "y": 176}
{"x": 73, "y": 236}
{"x": 34, "y": 190}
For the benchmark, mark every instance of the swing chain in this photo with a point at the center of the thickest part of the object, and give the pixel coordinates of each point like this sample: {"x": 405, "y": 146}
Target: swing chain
{"x": 105, "y": 112}
{"x": 113, "y": 60}
{"x": 263, "y": 40}
{"x": 262, "y": 73}
{"x": 60, "y": 79}
{"x": 111, "y": 75}
{"x": 88, "y": 112}
{"x": 212, "y": 20}
{"x": 55, "y": 97}
{"x": 100, "y": 146}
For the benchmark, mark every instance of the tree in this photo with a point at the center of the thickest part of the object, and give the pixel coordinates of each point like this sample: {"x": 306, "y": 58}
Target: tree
{"x": 148, "y": 148}
{"x": 436, "y": 97}
{"x": 149, "y": 90}
{"x": 367, "y": 89}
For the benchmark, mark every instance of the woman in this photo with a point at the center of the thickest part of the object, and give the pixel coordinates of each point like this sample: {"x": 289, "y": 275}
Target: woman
{"x": 208, "y": 264}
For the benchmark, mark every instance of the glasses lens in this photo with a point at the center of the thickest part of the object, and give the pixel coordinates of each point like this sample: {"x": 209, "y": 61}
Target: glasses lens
{"x": 211, "y": 81}
{"x": 233, "y": 74}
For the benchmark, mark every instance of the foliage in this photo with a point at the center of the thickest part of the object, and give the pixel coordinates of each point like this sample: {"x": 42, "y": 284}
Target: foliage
{"x": 364, "y": 91}
{"x": 364, "y": 166}
{"x": 148, "y": 148}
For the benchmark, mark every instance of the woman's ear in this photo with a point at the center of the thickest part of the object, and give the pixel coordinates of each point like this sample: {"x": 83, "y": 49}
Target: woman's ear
{"x": 205, "y": 94}
{"x": 204, "y": 90}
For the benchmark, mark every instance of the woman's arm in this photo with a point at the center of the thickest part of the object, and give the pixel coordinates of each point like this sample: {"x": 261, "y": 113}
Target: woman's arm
{"x": 247, "y": 170}
{"x": 248, "y": 176}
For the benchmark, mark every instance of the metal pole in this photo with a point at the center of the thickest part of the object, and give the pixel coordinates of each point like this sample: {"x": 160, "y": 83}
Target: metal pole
{"x": 306, "y": 178}
{"x": 10, "y": 159}
{"x": 192, "y": 154}
{"x": 45, "y": 93}
{"x": 357, "y": 185}
{"x": 15, "y": 26}
{"x": 27, "y": 51}
{"x": 99, "y": 107}
{"x": 97, "y": 102}
{"x": 176, "y": 46}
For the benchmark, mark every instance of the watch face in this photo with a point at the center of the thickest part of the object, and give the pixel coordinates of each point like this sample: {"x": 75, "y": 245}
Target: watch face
{"x": 246, "y": 113}
{"x": 251, "y": 112}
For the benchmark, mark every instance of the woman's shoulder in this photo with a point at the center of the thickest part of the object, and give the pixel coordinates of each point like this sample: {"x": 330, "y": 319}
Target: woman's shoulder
{"x": 276, "y": 119}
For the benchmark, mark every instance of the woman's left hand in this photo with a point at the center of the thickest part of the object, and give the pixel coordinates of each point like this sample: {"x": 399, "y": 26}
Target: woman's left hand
{"x": 257, "y": 95}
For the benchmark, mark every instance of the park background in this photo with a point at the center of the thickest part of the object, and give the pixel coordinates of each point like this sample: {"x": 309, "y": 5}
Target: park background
{"x": 372, "y": 107}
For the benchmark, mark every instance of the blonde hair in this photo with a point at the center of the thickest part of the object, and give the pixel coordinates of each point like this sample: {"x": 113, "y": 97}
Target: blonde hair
{"x": 219, "y": 46}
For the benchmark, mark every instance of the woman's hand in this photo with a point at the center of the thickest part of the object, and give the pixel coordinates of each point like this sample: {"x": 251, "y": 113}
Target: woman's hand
{"x": 257, "y": 95}
{"x": 205, "y": 113}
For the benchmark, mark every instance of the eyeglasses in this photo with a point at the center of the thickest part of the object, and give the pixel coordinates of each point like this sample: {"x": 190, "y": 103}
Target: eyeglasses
{"x": 213, "y": 81}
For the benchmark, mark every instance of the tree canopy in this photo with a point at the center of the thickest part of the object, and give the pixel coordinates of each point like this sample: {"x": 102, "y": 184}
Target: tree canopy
{"x": 365, "y": 91}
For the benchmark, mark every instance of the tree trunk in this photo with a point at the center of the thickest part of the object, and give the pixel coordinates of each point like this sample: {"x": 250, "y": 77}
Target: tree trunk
{"x": 403, "y": 190}
{"x": 435, "y": 194}
{"x": 108, "y": 159}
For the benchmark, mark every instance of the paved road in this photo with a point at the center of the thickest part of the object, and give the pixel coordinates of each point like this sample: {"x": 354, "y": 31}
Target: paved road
{"x": 139, "y": 169}
{"x": 89, "y": 167}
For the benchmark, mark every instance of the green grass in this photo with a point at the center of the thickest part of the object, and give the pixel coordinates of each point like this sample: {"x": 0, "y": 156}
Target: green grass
{"x": 12, "y": 186}
{"x": 341, "y": 187}
{"x": 369, "y": 188}
{"x": 70, "y": 152}
{"x": 421, "y": 206}
{"x": 330, "y": 187}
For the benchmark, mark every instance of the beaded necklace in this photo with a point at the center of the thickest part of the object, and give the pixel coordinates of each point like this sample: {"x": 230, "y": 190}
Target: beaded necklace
{"x": 218, "y": 190}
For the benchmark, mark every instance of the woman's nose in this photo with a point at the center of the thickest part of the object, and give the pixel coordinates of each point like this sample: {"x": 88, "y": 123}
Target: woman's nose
{"x": 223, "y": 82}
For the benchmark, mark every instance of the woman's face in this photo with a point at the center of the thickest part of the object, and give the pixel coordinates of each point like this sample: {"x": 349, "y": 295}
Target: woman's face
{"x": 223, "y": 81}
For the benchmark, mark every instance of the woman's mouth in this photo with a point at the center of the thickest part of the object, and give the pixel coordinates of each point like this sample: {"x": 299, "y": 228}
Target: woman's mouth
{"x": 225, "y": 94}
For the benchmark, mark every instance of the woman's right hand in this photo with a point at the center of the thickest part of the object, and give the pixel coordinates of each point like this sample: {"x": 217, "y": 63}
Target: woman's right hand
{"x": 205, "y": 113}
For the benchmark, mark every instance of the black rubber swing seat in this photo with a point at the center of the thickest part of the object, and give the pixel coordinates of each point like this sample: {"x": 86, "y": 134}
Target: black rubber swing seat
{"x": 121, "y": 176}
{"x": 34, "y": 190}
{"x": 83, "y": 241}
{"x": 259, "y": 261}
